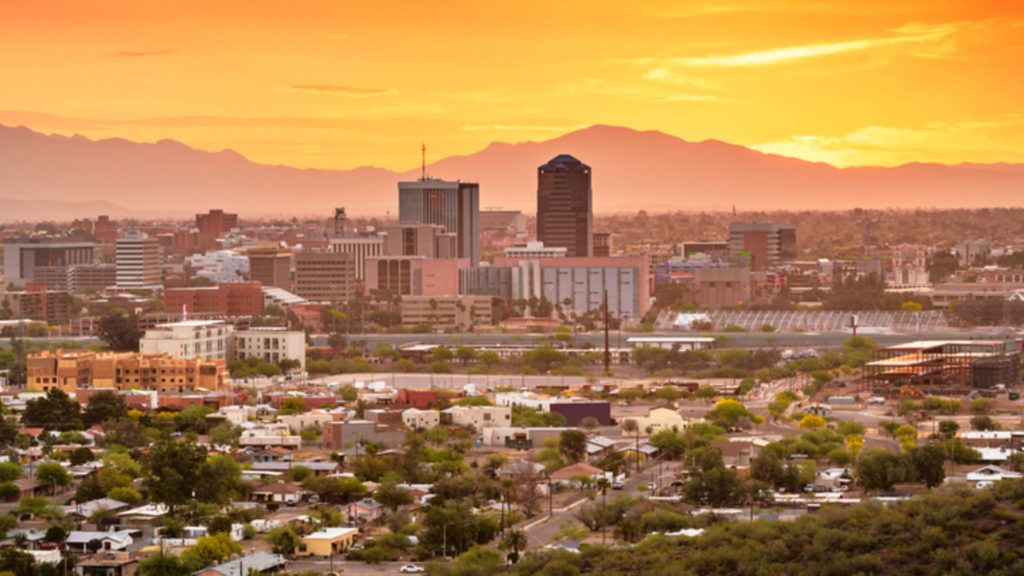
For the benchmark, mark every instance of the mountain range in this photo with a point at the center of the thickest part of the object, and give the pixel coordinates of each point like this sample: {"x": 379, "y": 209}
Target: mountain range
{"x": 60, "y": 177}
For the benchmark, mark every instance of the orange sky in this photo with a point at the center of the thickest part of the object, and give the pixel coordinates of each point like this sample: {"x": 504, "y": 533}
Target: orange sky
{"x": 339, "y": 84}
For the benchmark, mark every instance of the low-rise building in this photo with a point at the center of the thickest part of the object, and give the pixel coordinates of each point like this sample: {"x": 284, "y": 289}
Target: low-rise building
{"x": 70, "y": 370}
{"x": 459, "y": 312}
{"x": 420, "y": 419}
{"x": 327, "y": 542}
{"x": 270, "y": 435}
{"x": 477, "y": 417}
{"x": 659, "y": 419}
{"x": 108, "y": 564}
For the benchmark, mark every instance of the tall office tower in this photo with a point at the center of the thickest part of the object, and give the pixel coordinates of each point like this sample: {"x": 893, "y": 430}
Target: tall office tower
{"x": 23, "y": 255}
{"x": 565, "y": 215}
{"x": 763, "y": 244}
{"x": 325, "y": 276}
{"x": 454, "y": 205}
{"x": 271, "y": 266}
{"x": 138, "y": 261}
{"x": 212, "y": 226}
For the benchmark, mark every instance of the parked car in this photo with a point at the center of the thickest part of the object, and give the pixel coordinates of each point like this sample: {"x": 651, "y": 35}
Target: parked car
{"x": 876, "y": 400}
{"x": 411, "y": 569}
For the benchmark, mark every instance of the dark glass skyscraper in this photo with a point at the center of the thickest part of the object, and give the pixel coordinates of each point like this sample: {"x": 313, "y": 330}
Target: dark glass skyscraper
{"x": 565, "y": 216}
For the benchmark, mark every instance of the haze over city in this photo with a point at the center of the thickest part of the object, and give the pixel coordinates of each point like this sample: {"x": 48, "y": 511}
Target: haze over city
{"x": 511, "y": 288}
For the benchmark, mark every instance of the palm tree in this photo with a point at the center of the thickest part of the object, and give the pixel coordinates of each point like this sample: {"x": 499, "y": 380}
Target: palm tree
{"x": 630, "y": 425}
{"x": 603, "y": 485}
{"x": 516, "y": 541}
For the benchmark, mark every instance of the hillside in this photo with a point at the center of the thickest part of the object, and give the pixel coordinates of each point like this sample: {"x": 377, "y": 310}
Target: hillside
{"x": 632, "y": 169}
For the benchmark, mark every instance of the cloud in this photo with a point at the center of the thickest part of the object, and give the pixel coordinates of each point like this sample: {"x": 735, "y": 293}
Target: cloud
{"x": 339, "y": 90}
{"x": 142, "y": 53}
{"x": 908, "y": 34}
{"x": 515, "y": 128}
{"x": 950, "y": 142}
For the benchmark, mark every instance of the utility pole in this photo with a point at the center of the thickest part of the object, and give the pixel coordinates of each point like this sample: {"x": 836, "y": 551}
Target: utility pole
{"x": 607, "y": 351}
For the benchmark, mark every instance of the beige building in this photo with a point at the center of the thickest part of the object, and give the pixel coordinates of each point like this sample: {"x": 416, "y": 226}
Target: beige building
{"x": 74, "y": 369}
{"x": 460, "y": 312}
{"x": 327, "y": 542}
{"x": 659, "y": 419}
{"x": 420, "y": 419}
{"x": 478, "y": 417}
{"x": 270, "y": 266}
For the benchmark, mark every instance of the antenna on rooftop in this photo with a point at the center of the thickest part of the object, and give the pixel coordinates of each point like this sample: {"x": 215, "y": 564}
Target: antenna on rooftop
{"x": 423, "y": 170}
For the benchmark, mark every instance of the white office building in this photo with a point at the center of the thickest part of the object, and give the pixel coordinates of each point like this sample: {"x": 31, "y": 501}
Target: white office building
{"x": 138, "y": 261}
{"x": 220, "y": 266}
{"x": 270, "y": 344}
{"x": 361, "y": 247}
{"x": 207, "y": 339}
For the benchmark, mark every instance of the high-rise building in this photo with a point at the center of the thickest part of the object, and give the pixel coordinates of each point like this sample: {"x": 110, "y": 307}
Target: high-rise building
{"x": 360, "y": 247}
{"x": 454, "y": 205}
{"x": 763, "y": 244}
{"x": 602, "y": 244}
{"x": 23, "y": 255}
{"x": 212, "y": 226}
{"x": 565, "y": 216}
{"x": 271, "y": 266}
{"x": 325, "y": 276}
{"x": 138, "y": 261}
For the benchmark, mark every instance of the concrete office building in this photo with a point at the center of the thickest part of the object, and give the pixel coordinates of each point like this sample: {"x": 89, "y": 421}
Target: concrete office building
{"x": 493, "y": 281}
{"x": 206, "y": 339}
{"x": 23, "y": 255}
{"x": 270, "y": 344}
{"x": 325, "y": 276}
{"x": 427, "y": 240}
{"x": 415, "y": 275}
{"x": 138, "y": 261}
{"x": 271, "y": 266}
{"x": 583, "y": 281}
{"x": 36, "y": 302}
{"x": 762, "y": 244}
{"x": 218, "y": 266}
{"x": 565, "y": 215}
{"x": 535, "y": 250}
{"x": 454, "y": 205}
{"x": 361, "y": 248}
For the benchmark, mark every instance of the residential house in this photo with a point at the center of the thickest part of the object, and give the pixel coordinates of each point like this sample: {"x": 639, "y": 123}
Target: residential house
{"x": 108, "y": 563}
{"x": 659, "y": 419}
{"x": 78, "y": 540}
{"x": 288, "y": 493}
{"x": 366, "y": 510}
{"x": 417, "y": 419}
{"x": 477, "y": 417}
{"x": 253, "y": 563}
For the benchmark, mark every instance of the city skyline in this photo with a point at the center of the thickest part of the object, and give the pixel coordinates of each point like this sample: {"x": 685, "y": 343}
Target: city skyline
{"x": 338, "y": 86}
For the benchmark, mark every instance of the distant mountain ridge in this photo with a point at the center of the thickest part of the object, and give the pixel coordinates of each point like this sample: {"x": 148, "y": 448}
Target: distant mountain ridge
{"x": 632, "y": 170}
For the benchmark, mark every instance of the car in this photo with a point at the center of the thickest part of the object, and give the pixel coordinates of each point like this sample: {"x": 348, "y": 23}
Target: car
{"x": 876, "y": 400}
{"x": 411, "y": 569}
{"x": 617, "y": 486}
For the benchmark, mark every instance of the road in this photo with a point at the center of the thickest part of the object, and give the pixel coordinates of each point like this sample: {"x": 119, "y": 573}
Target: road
{"x": 324, "y": 566}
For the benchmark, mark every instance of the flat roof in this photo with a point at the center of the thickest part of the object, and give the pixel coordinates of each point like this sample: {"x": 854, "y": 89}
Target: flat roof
{"x": 331, "y": 533}
{"x": 918, "y": 344}
{"x": 691, "y": 339}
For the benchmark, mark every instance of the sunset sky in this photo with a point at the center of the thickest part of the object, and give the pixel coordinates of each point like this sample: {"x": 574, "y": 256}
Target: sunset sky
{"x": 340, "y": 84}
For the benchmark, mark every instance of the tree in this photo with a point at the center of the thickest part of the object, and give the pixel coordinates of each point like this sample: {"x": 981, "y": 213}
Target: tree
{"x": 163, "y": 564}
{"x": 220, "y": 480}
{"x": 948, "y": 429}
{"x": 669, "y": 443}
{"x": 81, "y": 455}
{"x": 589, "y": 424}
{"x": 728, "y": 412}
{"x": 768, "y": 468}
{"x": 983, "y": 422}
{"x": 55, "y": 411}
{"x": 209, "y": 550}
{"x": 878, "y": 470}
{"x": 10, "y": 471}
{"x": 119, "y": 330}
{"x": 573, "y": 445}
{"x": 927, "y": 464}
{"x": 172, "y": 470}
{"x": 104, "y": 405}
{"x": 465, "y": 354}
{"x": 335, "y": 490}
{"x": 53, "y": 474}
{"x": 812, "y": 422}
{"x": 393, "y": 496}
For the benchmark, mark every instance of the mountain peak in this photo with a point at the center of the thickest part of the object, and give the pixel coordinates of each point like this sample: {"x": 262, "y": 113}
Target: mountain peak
{"x": 631, "y": 169}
